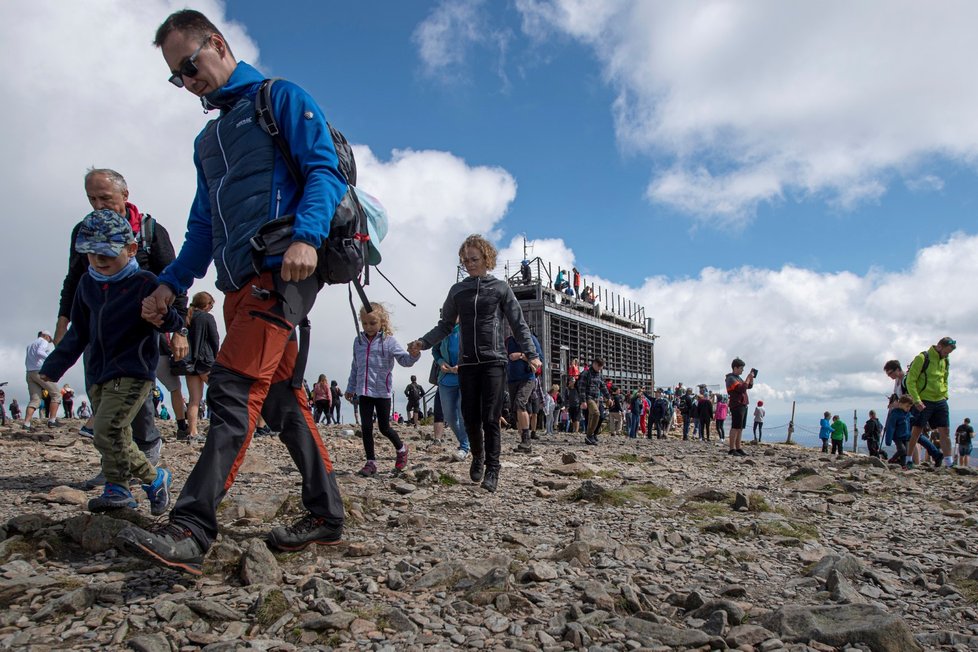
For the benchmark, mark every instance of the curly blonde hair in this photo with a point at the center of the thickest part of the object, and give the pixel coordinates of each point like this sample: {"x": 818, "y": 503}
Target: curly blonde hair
{"x": 380, "y": 310}
{"x": 483, "y": 246}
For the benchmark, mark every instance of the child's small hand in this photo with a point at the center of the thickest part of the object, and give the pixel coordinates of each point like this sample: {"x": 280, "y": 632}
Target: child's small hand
{"x": 446, "y": 368}
{"x": 414, "y": 348}
{"x": 348, "y": 396}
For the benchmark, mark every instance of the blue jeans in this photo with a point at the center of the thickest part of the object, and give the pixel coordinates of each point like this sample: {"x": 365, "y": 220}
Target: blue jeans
{"x": 451, "y": 407}
{"x": 633, "y": 426}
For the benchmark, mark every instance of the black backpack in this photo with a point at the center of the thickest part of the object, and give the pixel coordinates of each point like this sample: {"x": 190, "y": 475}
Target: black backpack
{"x": 343, "y": 253}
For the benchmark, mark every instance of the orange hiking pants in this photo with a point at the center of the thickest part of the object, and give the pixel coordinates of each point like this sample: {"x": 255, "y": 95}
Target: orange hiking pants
{"x": 253, "y": 375}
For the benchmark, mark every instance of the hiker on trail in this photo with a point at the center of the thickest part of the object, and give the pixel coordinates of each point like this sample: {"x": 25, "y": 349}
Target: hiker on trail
{"x": 737, "y": 391}
{"x": 721, "y": 416}
{"x": 255, "y": 369}
{"x": 704, "y": 410}
{"x": 825, "y": 430}
{"x": 37, "y": 352}
{"x": 759, "y": 421}
{"x": 480, "y": 304}
{"x": 68, "y": 401}
{"x": 576, "y": 276}
{"x": 659, "y": 415}
{"x": 375, "y": 350}
{"x": 572, "y": 401}
{"x": 84, "y": 411}
{"x": 686, "y": 405}
{"x": 121, "y": 354}
{"x": 593, "y": 388}
{"x": 166, "y": 376}
{"x": 337, "y": 395}
{"x": 447, "y": 357}
{"x": 962, "y": 439}
{"x": 204, "y": 345}
{"x": 3, "y": 408}
{"x": 872, "y": 433}
{"x": 894, "y": 370}
{"x": 927, "y": 386}
{"x": 414, "y": 392}
{"x": 897, "y": 429}
{"x": 322, "y": 400}
{"x": 107, "y": 189}
{"x": 616, "y": 411}
{"x": 14, "y": 409}
{"x": 521, "y": 381}
{"x": 840, "y": 433}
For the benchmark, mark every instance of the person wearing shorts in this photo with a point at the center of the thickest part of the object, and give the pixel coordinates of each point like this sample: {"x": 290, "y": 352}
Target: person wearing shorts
{"x": 927, "y": 386}
{"x": 963, "y": 436}
{"x": 737, "y": 391}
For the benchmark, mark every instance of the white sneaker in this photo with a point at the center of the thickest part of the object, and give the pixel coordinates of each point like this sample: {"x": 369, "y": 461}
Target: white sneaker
{"x": 461, "y": 454}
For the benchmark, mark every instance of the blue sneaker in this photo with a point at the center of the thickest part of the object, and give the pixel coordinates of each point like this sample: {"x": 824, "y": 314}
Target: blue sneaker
{"x": 114, "y": 496}
{"x": 86, "y": 432}
{"x": 159, "y": 492}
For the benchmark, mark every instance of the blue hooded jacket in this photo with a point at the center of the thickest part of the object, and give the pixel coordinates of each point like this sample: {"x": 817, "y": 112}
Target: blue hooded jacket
{"x": 243, "y": 181}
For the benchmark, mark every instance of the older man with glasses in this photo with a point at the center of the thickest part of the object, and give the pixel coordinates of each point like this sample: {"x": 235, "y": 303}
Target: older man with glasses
{"x": 927, "y": 386}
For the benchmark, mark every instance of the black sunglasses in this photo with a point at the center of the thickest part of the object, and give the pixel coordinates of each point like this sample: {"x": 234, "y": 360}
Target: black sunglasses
{"x": 188, "y": 68}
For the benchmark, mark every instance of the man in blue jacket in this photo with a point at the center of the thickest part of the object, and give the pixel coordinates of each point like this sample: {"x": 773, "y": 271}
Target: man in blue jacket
{"x": 243, "y": 182}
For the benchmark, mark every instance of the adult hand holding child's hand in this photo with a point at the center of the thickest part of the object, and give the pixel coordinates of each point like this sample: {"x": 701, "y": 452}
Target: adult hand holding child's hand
{"x": 156, "y": 305}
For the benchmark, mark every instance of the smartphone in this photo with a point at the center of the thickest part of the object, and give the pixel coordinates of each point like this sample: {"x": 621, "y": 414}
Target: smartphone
{"x": 753, "y": 372}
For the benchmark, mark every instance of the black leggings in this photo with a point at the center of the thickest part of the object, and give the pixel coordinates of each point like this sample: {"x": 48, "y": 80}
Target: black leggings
{"x": 758, "y": 429}
{"x": 322, "y": 410}
{"x": 836, "y": 446}
{"x": 720, "y": 430}
{"x": 482, "y": 387}
{"x": 368, "y": 404}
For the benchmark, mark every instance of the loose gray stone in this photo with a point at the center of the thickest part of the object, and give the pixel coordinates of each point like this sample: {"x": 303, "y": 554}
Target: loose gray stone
{"x": 840, "y": 625}
{"x": 666, "y": 634}
{"x": 258, "y": 564}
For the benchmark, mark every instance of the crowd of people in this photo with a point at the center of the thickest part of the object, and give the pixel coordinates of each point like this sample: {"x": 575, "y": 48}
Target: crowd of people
{"x": 124, "y": 307}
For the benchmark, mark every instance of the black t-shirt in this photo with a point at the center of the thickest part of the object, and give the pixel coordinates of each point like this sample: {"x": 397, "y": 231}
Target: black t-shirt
{"x": 964, "y": 434}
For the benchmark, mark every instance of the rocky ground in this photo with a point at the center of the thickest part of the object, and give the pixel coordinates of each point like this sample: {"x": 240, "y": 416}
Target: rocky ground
{"x": 633, "y": 544}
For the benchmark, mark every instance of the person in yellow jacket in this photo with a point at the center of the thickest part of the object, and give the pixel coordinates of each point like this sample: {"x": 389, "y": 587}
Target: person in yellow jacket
{"x": 927, "y": 386}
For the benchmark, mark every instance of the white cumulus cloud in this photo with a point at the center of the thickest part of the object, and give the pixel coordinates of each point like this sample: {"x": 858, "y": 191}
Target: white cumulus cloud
{"x": 743, "y": 103}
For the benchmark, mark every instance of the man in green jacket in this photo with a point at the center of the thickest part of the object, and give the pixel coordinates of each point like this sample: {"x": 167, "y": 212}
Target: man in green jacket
{"x": 927, "y": 386}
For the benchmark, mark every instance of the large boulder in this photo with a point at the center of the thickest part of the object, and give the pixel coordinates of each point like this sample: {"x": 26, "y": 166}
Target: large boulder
{"x": 842, "y": 625}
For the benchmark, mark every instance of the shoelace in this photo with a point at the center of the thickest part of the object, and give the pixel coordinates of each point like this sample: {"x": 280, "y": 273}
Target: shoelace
{"x": 176, "y": 532}
{"x": 304, "y": 524}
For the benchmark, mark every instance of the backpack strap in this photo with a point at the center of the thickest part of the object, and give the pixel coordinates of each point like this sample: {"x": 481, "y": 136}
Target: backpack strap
{"x": 266, "y": 120}
{"x": 147, "y": 231}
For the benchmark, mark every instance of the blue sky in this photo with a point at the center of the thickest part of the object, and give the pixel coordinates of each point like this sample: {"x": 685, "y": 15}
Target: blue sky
{"x": 790, "y": 183}
{"x": 543, "y": 111}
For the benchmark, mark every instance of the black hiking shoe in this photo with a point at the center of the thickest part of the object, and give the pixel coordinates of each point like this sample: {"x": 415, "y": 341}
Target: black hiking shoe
{"x": 475, "y": 468}
{"x": 307, "y": 530}
{"x": 166, "y": 544}
{"x": 491, "y": 480}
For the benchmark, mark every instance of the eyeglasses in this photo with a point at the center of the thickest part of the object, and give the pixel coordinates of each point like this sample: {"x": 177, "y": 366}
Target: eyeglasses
{"x": 188, "y": 68}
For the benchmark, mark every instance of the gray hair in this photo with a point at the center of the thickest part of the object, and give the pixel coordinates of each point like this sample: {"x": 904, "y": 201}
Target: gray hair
{"x": 117, "y": 179}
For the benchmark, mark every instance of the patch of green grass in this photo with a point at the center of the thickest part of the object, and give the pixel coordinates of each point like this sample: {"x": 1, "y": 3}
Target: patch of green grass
{"x": 586, "y": 474}
{"x": 968, "y": 589}
{"x": 758, "y": 503}
{"x": 702, "y": 510}
{"x": 447, "y": 480}
{"x": 273, "y": 606}
{"x": 803, "y": 531}
{"x": 607, "y": 475}
{"x": 630, "y": 458}
{"x": 649, "y": 491}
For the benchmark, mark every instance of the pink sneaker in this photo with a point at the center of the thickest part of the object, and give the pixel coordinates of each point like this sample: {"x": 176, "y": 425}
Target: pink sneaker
{"x": 401, "y": 462}
{"x": 369, "y": 469}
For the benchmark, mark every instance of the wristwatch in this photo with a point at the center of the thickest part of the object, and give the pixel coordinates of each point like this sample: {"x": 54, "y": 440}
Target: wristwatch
{"x": 183, "y": 331}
